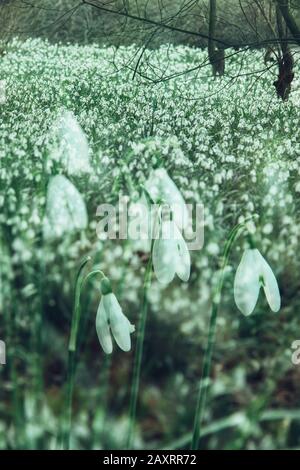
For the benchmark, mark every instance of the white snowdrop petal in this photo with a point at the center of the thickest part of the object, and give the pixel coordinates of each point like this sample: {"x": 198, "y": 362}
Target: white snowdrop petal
{"x": 73, "y": 148}
{"x": 163, "y": 260}
{"x": 270, "y": 285}
{"x": 65, "y": 208}
{"x": 246, "y": 282}
{"x": 161, "y": 186}
{"x": 102, "y": 328}
{"x": 183, "y": 259}
{"x": 120, "y": 326}
{"x": 165, "y": 253}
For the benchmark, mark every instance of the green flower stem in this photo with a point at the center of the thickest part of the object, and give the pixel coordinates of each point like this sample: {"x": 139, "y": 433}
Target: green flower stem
{"x": 80, "y": 281}
{"x": 251, "y": 241}
{"x": 69, "y": 399}
{"x": 140, "y": 337}
{"x": 104, "y": 391}
{"x": 103, "y": 397}
{"x": 38, "y": 321}
{"x": 76, "y": 309}
{"x": 139, "y": 354}
{"x": 211, "y": 338}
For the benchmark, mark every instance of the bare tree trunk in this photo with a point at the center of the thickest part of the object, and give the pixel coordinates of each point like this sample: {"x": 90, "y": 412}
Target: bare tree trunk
{"x": 283, "y": 84}
{"x": 216, "y": 56}
{"x": 280, "y": 29}
{"x": 212, "y": 29}
{"x": 289, "y": 19}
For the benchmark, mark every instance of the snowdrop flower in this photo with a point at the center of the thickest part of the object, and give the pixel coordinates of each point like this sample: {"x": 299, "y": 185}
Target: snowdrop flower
{"x": 253, "y": 273}
{"x": 110, "y": 320}
{"x": 72, "y": 146}
{"x": 161, "y": 188}
{"x": 65, "y": 208}
{"x": 170, "y": 254}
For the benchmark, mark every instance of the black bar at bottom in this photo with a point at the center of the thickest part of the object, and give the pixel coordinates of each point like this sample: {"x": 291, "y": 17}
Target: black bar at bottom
{"x": 134, "y": 459}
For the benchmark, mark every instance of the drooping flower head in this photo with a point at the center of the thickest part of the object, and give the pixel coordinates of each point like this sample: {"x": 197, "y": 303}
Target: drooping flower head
{"x": 170, "y": 254}
{"x": 111, "y": 321}
{"x": 253, "y": 273}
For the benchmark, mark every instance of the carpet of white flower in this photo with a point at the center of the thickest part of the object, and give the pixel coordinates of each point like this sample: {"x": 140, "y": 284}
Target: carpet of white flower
{"x": 228, "y": 143}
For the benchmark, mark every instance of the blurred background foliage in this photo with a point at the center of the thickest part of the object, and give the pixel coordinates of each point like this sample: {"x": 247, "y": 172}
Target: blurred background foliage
{"x": 231, "y": 145}
{"x": 61, "y": 20}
